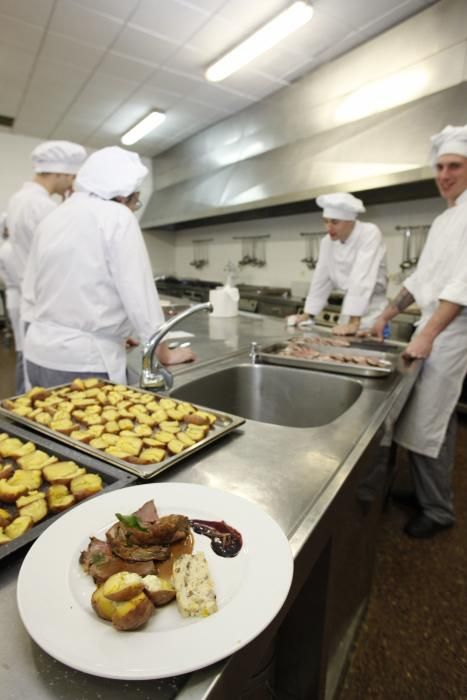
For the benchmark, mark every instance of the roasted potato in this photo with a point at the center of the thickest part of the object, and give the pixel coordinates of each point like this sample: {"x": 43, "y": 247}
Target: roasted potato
{"x": 59, "y": 498}
{"x": 169, "y": 426}
{"x": 152, "y": 454}
{"x": 195, "y": 419}
{"x": 13, "y": 447}
{"x": 19, "y": 526}
{"x": 122, "y": 586}
{"x": 62, "y": 472}
{"x": 175, "y": 446}
{"x": 186, "y": 439}
{"x": 37, "y": 510}
{"x": 210, "y": 417}
{"x": 132, "y": 614}
{"x": 85, "y": 485}
{"x": 31, "y": 478}
{"x": 158, "y": 590}
{"x": 9, "y": 493}
{"x": 36, "y": 460}
{"x": 101, "y": 605}
{"x": 28, "y": 498}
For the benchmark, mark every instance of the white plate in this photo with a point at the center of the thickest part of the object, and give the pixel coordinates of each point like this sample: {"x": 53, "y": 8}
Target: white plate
{"x": 54, "y": 594}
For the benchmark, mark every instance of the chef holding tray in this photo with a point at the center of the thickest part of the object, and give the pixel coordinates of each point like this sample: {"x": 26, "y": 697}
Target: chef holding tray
{"x": 89, "y": 278}
{"x": 352, "y": 258}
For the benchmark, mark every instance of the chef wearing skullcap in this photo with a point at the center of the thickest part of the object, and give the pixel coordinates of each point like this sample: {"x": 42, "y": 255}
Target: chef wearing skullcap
{"x": 55, "y": 165}
{"x": 426, "y": 426}
{"x": 352, "y": 258}
{"x": 90, "y": 278}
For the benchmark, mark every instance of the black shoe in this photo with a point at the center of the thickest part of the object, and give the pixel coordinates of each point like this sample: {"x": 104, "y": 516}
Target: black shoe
{"x": 423, "y": 527}
{"x": 405, "y": 498}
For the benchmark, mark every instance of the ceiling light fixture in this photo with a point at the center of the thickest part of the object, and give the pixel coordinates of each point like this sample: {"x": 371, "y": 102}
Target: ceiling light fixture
{"x": 270, "y": 34}
{"x": 143, "y": 127}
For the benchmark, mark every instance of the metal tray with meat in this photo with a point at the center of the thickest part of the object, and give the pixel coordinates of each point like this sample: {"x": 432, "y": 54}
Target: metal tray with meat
{"x": 328, "y": 355}
{"x": 41, "y": 479}
{"x": 136, "y": 430}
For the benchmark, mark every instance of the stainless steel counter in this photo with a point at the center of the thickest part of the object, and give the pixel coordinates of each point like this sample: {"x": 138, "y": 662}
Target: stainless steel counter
{"x": 292, "y": 473}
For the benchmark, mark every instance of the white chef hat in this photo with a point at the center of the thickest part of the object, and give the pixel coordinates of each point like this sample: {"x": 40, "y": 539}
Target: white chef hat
{"x": 58, "y": 157}
{"x": 452, "y": 139}
{"x": 340, "y": 205}
{"x": 111, "y": 172}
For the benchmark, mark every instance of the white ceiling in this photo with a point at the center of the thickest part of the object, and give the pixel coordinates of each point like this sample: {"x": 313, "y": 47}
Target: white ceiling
{"x": 87, "y": 70}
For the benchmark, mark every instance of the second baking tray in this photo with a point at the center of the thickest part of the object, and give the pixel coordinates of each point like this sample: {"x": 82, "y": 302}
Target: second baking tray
{"x": 271, "y": 355}
{"x": 112, "y": 479}
{"x": 225, "y": 423}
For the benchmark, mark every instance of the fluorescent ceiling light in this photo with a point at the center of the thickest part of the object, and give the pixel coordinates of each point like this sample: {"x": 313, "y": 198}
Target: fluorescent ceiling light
{"x": 143, "y": 127}
{"x": 270, "y": 34}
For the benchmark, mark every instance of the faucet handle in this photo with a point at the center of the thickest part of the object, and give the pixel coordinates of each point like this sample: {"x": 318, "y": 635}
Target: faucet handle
{"x": 254, "y": 349}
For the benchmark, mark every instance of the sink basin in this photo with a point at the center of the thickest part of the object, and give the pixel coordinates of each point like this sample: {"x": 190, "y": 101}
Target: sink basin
{"x": 279, "y": 395}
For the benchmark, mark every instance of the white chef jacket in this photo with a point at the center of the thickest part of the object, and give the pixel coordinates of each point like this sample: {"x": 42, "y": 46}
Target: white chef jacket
{"x": 441, "y": 274}
{"x": 91, "y": 280}
{"x": 12, "y": 290}
{"x": 25, "y": 211}
{"x": 356, "y": 266}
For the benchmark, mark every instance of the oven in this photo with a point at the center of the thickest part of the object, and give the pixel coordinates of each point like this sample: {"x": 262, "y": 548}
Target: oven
{"x": 268, "y": 301}
{"x": 329, "y": 315}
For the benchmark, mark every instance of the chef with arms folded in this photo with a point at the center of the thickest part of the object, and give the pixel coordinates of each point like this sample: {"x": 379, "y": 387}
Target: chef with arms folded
{"x": 89, "y": 278}
{"x": 352, "y": 258}
{"x": 55, "y": 165}
{"x": 427, "y": 424}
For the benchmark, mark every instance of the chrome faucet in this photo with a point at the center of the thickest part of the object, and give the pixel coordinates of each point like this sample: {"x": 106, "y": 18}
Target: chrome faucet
{"x": 153, "y": 374}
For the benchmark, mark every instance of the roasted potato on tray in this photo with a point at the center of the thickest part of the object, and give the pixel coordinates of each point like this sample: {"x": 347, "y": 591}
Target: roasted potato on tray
{"x": 119, "y": 421}
{"x": 35, "y": 484}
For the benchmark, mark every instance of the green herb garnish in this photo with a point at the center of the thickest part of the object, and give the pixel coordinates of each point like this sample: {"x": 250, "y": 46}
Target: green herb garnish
{"x": 131, "y": 521}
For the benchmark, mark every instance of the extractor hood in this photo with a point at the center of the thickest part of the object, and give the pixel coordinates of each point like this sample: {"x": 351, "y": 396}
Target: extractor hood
{"x": 361, "y": 124}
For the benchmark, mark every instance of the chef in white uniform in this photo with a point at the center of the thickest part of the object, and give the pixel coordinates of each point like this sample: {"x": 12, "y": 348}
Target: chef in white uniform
{"x": 55, "y": 165}
{"x": 9, "y": 278}
{"x": 90, "y": 279}
{"x": 426, "y": 426}
{"x": 352, "y": 258}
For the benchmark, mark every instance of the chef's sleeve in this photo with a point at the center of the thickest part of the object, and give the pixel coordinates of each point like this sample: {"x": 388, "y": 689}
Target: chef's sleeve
{"x": 321, "y": 284}
{"x": 456, "y": 289}
{"x": 28, "y": 285}
{"x": 364, "y": 273}
{"x": 133, "y": 277}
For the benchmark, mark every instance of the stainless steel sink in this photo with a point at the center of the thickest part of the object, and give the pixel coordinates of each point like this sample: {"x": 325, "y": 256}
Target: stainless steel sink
{"x": 280, "y": 395}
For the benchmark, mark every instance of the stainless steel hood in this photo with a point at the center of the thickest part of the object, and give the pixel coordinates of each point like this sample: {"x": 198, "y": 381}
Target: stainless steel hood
{"x": 361, "y": 123}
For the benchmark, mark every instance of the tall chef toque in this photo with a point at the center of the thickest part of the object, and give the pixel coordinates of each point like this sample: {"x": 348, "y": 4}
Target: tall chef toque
{"x": 452, "y": 139}
{"x": 340, "y": 205}
{"x": 58, "y": 157}
{"x": 111, "y": 172}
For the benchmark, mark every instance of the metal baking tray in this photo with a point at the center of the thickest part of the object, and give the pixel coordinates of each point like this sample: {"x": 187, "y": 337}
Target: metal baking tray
{"x": 225, "y": 423}
{"x": 112, "y": 479}
{"x": 269, "y": 355}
